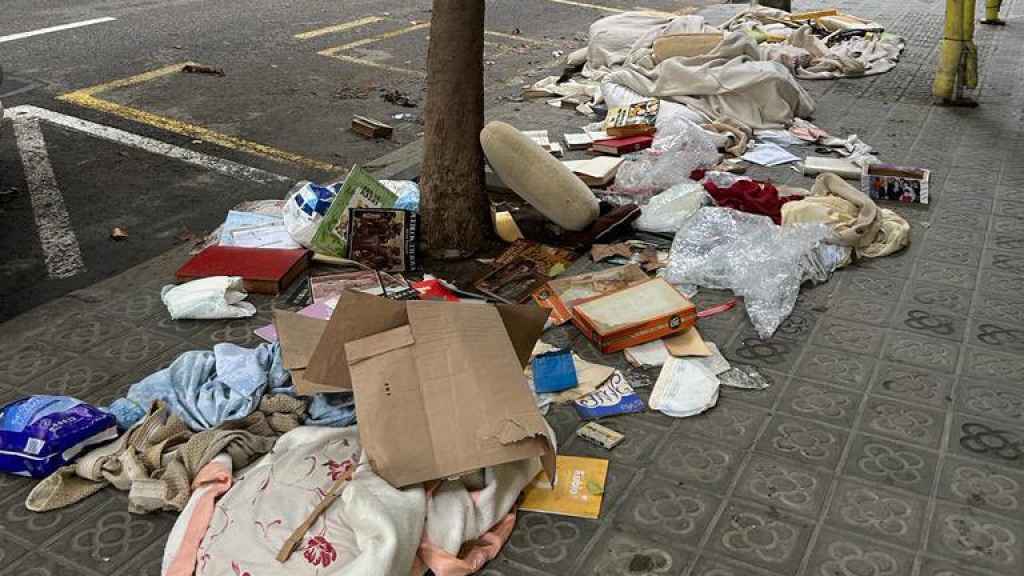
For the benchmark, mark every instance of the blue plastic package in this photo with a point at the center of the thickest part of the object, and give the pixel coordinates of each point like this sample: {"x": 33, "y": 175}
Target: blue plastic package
{"x": 554, "y": 372}
{"x": 39, "y": 434}
{"x": 614, "y": 397}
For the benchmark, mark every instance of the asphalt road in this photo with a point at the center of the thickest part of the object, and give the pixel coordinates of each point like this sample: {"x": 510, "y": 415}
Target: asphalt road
{"x": 295, "y": 73}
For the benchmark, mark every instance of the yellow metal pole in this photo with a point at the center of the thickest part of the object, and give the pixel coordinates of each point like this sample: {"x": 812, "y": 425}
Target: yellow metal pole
{"x": 992, "y": 13}
{"x": 958, "y": 56}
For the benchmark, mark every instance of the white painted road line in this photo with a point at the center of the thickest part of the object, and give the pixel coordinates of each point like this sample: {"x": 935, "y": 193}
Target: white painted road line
{"x": 205, "y": 161}
{"x": 56, "y": 236}
{"x": 41, "y": 31}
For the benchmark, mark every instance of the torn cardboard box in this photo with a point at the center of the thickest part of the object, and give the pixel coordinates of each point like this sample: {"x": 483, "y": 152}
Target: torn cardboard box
{"x": 439, "y": 386}
{"x": 298, "y": 336}
{"x": 563, "y": 293}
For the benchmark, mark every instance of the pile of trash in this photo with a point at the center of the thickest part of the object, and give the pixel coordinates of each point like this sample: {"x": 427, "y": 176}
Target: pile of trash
{"x": 394, "y": 420}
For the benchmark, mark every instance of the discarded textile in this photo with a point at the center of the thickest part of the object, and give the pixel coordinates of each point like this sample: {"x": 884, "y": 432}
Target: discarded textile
{"x": 750, "y": 196}
{"x": 157, "y": 460}
{"x": 207, "y": 388}
{"x": 725, "y": 249}
{"x": 855, "y": 219}
{"x": 182, "y": 548}
{"x": 450, "y": 527}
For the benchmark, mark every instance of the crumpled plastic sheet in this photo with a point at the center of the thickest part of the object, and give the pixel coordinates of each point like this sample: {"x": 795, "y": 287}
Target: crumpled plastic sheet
{"x": 745, "y": 378}
{"x": 679, "y": 148}
{"x": 725, "y": 249}
{"x": 668, "y": 211}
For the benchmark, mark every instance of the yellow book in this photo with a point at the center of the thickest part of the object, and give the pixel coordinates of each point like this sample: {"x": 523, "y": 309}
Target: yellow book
{"x": 578, "y": 491}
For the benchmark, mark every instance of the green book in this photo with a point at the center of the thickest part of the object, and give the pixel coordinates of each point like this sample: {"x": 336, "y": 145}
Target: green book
{"x": 359, "y": 191}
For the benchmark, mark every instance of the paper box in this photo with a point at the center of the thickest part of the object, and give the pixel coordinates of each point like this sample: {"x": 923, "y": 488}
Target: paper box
{"x": 634, "y": 315}
{"x": 439, "y": 386}
{"x": 562, "y": 294}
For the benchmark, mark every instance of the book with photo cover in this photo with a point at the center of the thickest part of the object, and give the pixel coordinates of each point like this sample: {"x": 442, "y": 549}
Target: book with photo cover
{"x": 636, "y": 119}
{"x": 360, "y": 190}
{"x": 383, "y": 238}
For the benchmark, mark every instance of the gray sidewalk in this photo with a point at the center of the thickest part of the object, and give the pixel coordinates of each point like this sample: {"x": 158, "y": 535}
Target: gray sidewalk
{"x": 892, "y": 440}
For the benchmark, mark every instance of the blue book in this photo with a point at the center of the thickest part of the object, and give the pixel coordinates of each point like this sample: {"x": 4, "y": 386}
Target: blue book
{"x": 614, "y": 397}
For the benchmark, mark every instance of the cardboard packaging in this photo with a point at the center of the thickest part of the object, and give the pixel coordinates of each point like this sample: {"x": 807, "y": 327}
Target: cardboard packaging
{"x": 640, "y": 313}
{"x": 439, "y": 386}
{"x": 562, "y": 294}
{"x": 896, "y": 183}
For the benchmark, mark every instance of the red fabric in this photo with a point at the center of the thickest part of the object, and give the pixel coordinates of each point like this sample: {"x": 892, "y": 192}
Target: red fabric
{"x": 751, "y": 196}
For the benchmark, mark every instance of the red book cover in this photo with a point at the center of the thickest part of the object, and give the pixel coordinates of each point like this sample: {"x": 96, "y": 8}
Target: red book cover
{"x": 623, "y": 145}
{"x": 264, "y": 270}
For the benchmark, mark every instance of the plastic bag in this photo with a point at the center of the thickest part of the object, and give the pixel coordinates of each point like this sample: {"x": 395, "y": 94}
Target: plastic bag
{"x": 39, "y": 434}
{"x": 726, "y": 249}
{"x": 304, "y": 208}
{"x": 207, "y": 299}
{"x": 667, "y": 211}
{"x": 679, "y": 147}
{"x": 408, "y": 193}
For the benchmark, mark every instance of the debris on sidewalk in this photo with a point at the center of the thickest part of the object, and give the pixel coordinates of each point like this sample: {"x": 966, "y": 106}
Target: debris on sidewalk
{"x": 614, "y": 397}
{"x": 398, "y": 98}
{"x": 640, "y": 313}
{"x": 360, "y": 190}
{"x": 263, "y": 270}
{"x": 118, "y": 233}
{"x": 896, "y": 183}
{"x": 684, "y": 388}
{"x": 371, "y": 128}
{"x": 210, "y": 298}
{"x": 201, "y": 69}
{"x": 577, "y": 491}
{"x": 561, "y": 294}
{"x": 600, "y": 435}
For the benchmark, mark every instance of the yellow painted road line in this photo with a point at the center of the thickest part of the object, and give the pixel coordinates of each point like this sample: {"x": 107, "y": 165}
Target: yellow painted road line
{"x": 372, "y": 39}
{"x": 339, "y": 27}
{"x": 586, "y": 5}
{"x": 372, "y": 64}
{"x": 86, "y": 98}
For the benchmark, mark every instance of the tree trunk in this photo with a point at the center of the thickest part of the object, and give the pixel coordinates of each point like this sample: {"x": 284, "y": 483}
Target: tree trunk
{"x": 780, "y": 4}
{"x": 454, "y": 208}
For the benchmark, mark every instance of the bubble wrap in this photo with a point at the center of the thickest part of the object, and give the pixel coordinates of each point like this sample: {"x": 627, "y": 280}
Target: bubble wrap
{"x": 679, "y": 147}
{"x": 726, "y": 249}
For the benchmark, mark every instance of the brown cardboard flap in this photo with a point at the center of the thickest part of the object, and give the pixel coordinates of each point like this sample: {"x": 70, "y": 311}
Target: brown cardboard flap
{"x": 687, "y": 343}
{"x": 298, "y": 336}
{"x": 379, "y": 344}
{"x": 525, "y": 325}
{"x": 356, "y": 316}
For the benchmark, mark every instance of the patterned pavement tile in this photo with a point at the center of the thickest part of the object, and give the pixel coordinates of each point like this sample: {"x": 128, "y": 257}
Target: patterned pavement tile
{"x": 148, "y": 562}
{"x": 43, "y": 564}
{"x": 985, "y": 363}
{"x": 943, "y": 567}
{"x": 886, "y": 515}
{"x": 989, "y": 400}
{"x": 839, "y": 553}
{"x": 137, "y": 307}
{"x": 681, "y": 515}
{"x": 708, "y": 565}
{"x": 891, "y": 464}
{"x": 987, "y": 441}
{"x": 914, "y": 385}
{"x": 956, "y": 254}
{"x": 932, "y": 272}
{"x": 548, "y": 542}
{"x": 564, "y": 421}
{"x": 1009, "y": 209}
{"x": 26, "y": 362}
{"x": 955, "y": 219}
{"x": 616, "y": 487}
{"x": 904, "y": 422}
{"x": 957, "y": 235}
{"x": 955, "y": 204}
{"x": 35, "y": 528}
{"x": 623, "y": 554}
{"x": 762, "y": 537}
{"x": 805, "y": 441}
{"x": 948, "y": 299}
{"x": 866, "y": 309}
{"x": 79, "y": 378}
{"x": 84, "y": 331}
{"x": 829, "y": 404}
{"x": 133, "y": 348}
{"x": 1004, "y": 262}
{"x": 504, "y": 567}
{"x": 999, "y": 308}
{"x": 871, "y": 287}
{"x": 730, "y": 423}
{"x": 900, "y": 265}
{"x": 775, "y": 354}
{"x": 766, "y": 397}
{"x": 834, "y": 367}
{"x": 10, "y": 551}
{"x": 848, "y": 336}
{"x": 697, "y": 462}
{"x": 110, "y": 536}
{"x": 984, "y": 486}
{"x": 930, "y": 321}
{"x": 976, "y": 538}
{"x": 798, "y": 326}
{"x": 641, "y": 442}
{"x": 784, "y": 484}
{"x": 932, "y": 353}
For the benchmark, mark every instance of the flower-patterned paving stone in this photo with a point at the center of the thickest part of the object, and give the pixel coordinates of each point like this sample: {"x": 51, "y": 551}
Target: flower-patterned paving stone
{"x": 502, "y": 566}
{"x": 761, "y": 536}
{"x": 931, "y": 272}
{"x": 838, "y": 553}
{"x": 765, "y": 398}
{"x": 930, "y": 321}
{"x": 616, "y": 485}
{"x": 890, "y": 463}
{"x": 26, "y": 362}
{"x": 1005, "y": 285}
{"x": 849, "y": 336}
{"x": 619, "y": 553}
{"x": 784, "y": 484}
{"x": 681, "y": 515}
{"x": 981, "y": 485}
{"x": 829, "y": 404}
{"x": 948, "y": 299}
{"x": 986, "y": 363}
{"x": 775, "y": 353}
{"x": 904, "y": 422}
{"x": 39, "y": 563}
{"x": 996, "y": 335}
{"x": 709, "y": 565}
{"x": 805, "y": 441}
{"x": 730, "y": 422}
{"x": 548, "y": 542}
{"x": 926, "y": 352}
{"x": 987, "y": 440}
{"x": 870, "y": 286}
{"x": 864, "y": 309}
{"x": 10, "y": 551}
{"x": 697, "y": 462}
{"x": 835, "y": 367}
{"x": 912, "y": 384}
{"x": 944, "y": 567}
{"x": 977, "y": 538}
{"x": 888, "y": 515}
{"x": 78, "y": 378}
{"x": 990, "y": 400}
{"x": 999, "y": 308}
{"x": 1004, "y": 262}
{"x": 637, "y": 449}
{"x": 134, "y": 348}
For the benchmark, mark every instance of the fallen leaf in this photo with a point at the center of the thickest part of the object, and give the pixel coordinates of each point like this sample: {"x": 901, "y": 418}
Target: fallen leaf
{"x": 118, "y": 233}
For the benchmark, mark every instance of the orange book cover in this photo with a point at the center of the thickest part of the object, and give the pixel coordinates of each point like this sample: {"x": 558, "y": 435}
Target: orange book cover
{"x": 578, "y": 489}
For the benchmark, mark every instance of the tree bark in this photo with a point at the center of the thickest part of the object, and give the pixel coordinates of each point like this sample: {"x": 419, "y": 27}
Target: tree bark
{"x": 454, "y": 208}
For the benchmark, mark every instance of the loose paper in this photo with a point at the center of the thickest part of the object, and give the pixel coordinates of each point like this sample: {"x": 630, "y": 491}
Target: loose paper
{"x": 768, "y": 154}
{"x": 649, "y": 355}
{"x": 687, "y": 343}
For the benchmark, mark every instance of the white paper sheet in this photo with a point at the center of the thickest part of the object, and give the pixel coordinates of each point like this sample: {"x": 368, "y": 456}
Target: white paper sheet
{"x": 767, "y": 154}
{"x": 649, "y": 355}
